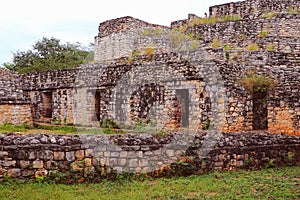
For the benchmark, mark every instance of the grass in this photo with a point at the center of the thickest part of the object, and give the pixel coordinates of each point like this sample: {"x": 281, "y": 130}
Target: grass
{"x": 63, "y": 129}
{"x": 283, "y": 183}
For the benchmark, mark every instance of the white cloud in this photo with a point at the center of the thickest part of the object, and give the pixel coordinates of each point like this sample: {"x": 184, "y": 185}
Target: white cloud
{"x": 24, "y": 22}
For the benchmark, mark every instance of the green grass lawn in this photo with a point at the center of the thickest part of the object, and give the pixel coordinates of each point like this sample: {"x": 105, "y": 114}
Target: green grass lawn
{"x": 281, "y": 183}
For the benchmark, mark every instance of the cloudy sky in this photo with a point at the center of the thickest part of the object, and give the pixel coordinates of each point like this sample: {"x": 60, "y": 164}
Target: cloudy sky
{"x": 22, "y": 23}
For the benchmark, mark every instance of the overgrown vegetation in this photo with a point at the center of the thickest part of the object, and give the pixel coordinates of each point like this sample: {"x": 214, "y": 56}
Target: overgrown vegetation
{"x": 109, "y": 126}
{"x": 210, "y": 20}
{"x": 294, "y": 11}
{"x": 50, "y": 54}
{"x": 8, "y": 127}
{"x": 280, "y": 183}
{"x": 252, "y": 47}
{"x": 263, "y": 34}
{"x": 216, "y": 43}
{"x": 269, "y": 15}
{"x": 270, "y": 47}
{"x": 255, "y": 82}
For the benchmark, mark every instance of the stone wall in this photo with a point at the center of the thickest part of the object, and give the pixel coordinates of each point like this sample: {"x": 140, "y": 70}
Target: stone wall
{"x": 16, "y": 114}
{"x": 14, "y": 105}
{"x": 120, "y": 37}
{"x": 253, "y": 8}
{"x": 93, "y": 156}
{"x": 280, "y": 32}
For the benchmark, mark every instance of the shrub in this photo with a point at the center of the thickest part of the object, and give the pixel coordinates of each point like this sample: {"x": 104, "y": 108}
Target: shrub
{"x": 194, "y": 45}
{"x": 216, "y": 43}
{"x": 294, "y": 11}
{"x": 269, "y": 14}
{"x": 263, "y": 34}
{"x": 227, "y": 47}
{"x": 270, "y": 47}
{"x": 256, "y": 83}
{"x": 205, "y": 125}
{"x": 252, "y": 47}
{"x": 149, "y": 51}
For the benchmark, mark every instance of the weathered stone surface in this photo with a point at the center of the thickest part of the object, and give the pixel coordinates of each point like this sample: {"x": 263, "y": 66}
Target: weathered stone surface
{"x": 15, "y": 172}
{"x": 38, "y": 164}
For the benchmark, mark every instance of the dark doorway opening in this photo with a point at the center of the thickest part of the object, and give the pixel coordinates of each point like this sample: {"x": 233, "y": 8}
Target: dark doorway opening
{"x": 183, "y": 97}
{"x": 47, "y": 104}
{"x": 260, "y": 110}
{"x": 97, "y": 105}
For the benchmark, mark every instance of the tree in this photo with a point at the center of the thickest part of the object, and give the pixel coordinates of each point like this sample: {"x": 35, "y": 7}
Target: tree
{"x": 49, "y": 54}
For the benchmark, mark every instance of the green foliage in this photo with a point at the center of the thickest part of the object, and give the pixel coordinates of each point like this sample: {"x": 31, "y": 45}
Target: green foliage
{"x": 8, "y": 127}
{"x": 216, "y": 43}
{"x": 109, "y": 126}
{"x": 227, "y": 56}
{"x": 252, "y": 47}
{"x": 294, "y": 11}
{"x": 206, "y": 125}
{"x": 270, "y": 47}
{"x": 227, "y": 47}
{"x": 149, "y": 51}
{"x": 135, "y": 52}
{"x": 152, "y": 32}
{"x": 213, "y": 19}
{"x": 255, "y": 83}
{"x": 49, "y": 54}
{"x": 194, "y": 44}
{"x": 269, "y": 14}
{"x": 263, "y": 34}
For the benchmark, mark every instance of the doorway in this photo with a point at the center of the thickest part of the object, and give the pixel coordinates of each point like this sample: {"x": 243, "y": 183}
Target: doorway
{"x": 260, "y": 110}
{"x": 183, "y": 97}
{"x": 47, "y": 104}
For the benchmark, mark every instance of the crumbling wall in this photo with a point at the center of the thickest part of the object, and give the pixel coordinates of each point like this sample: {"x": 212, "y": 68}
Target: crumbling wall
{"x": 51, "y": 94}
{"x": 253, "y": 8}
{"x": 281, "y": 33}
{"x": 14, "y": 105}
{"x": 120, "y": 37}
{"x": 90, "y": 157}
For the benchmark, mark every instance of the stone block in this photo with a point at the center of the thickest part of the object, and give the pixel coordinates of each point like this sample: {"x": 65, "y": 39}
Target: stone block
{"x": 122, "y": 162}
{"x": 113, "y": 162}
{"x": 170, "y": 153}
{"x": 79, "y": 154}
{"x": 41, "y": 173}
{"x": 3, "y": 154}
{"x": 70, "y": 156}
{"x": 24, "y": 164}
{"x": 123, "y": 154}
{"x": 37, "y": 164}
{"x": 133, "y": 163}
{"x": 114, "y": 154}
{"x": 58, "y": 155}
{"x": 27, "y": 173}
{"x": 15, "y": 172}
{"x": 143, "y": 162}
{"x": 89, "y": 153}
{"x": 8, "y": 163}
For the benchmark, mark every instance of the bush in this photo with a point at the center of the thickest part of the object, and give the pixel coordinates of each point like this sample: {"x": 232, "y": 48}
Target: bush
{"x": 257, "y": 83}
{"x": 252, "y": 47}
{"x": 270, "y": 47}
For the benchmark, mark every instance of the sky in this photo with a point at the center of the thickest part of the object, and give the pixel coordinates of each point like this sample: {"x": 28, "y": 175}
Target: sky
{"x": 22, "y": 23}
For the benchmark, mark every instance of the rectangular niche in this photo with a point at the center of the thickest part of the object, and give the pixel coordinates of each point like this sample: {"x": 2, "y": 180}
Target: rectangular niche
{"x": 183, "y": 97}
{"x": 47, "y": 104}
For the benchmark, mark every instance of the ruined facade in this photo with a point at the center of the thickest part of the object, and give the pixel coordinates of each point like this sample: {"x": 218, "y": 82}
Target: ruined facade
{"x": 180, "y": 79}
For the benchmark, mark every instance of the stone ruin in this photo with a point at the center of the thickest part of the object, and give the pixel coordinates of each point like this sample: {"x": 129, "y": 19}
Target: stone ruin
{"x": 182, "y": 76}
